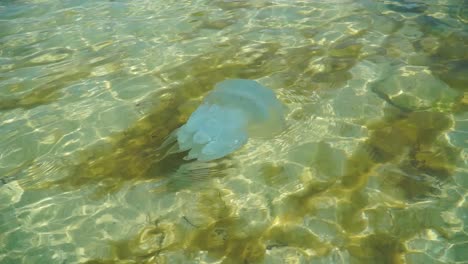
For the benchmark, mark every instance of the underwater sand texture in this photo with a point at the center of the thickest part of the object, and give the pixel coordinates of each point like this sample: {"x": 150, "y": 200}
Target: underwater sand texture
{"x": 371, "y": 167}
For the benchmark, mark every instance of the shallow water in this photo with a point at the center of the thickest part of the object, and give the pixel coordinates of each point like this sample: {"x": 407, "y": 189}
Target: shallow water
{"x": 372, "y": 167}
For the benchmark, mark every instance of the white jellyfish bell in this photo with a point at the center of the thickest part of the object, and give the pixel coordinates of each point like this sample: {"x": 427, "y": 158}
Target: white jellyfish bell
{"x": 229, "y": 115}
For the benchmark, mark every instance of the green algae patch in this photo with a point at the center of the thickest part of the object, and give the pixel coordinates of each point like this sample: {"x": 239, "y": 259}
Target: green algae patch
{"x": 290, "y": 235}
{"x": 449, "y": 60}
{"x": 222, "y": 237}
{"x": 43, "y": 94}
{"x": 350, "y": 214}
{"x": 302, "y": 203}
{"x": 225, "y": 240}
{"x": 376, "y": 248}
{"x": 409, "y": 133}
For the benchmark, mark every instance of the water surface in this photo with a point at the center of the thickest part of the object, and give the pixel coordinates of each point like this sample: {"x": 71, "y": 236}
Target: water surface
{"x": 372, "y": 167}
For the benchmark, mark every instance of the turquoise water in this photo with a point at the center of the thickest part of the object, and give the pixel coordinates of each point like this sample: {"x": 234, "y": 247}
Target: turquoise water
{"x": 371, "y": 168}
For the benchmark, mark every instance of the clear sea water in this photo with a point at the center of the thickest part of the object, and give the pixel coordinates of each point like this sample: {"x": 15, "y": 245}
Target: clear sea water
{"x": 372, "y": 167}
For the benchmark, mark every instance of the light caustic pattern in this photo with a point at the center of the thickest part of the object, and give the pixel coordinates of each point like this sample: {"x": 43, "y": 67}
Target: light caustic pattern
{"x": 369, "y": 168}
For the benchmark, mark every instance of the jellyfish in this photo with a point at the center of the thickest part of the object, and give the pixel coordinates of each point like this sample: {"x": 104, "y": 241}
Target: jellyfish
{"x": 233, "y": 112}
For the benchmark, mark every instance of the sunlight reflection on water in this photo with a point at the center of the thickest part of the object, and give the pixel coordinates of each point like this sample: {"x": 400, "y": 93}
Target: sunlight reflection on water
{"x": 371, "y": 167}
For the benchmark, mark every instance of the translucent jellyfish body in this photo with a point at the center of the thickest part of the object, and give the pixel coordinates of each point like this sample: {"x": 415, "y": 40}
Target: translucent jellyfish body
{"x": 234, "y": 111}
